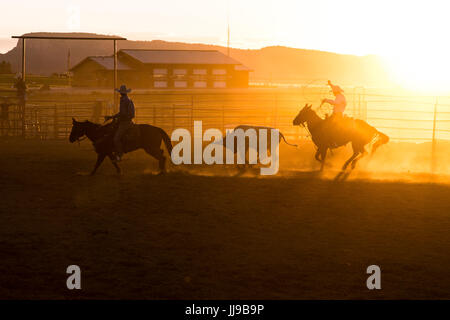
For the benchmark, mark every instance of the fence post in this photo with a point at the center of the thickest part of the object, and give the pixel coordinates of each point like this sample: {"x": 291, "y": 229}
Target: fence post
{"x": 276, "y": 112}
{"x": 433, "y": 142}
{"x": 23, "y": 115}
{"x": 55, "y": 123}
{"x": 97, "y": 111}
{"x": 173, "y": 117}
{"x": 36, "y": 123}
{"x": 192, "y": 114}
{"x": 66, "y": 127}
{"x": 223, "y": 119}
{"x": 359, "y": 106}
{"x": 364, "y": 105}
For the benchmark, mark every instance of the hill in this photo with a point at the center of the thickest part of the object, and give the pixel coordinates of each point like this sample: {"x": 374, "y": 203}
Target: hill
{"x": 274, "y": 64}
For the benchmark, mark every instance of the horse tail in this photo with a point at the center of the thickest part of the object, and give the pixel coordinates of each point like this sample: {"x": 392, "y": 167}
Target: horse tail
{"x": 381, "y": 139}
{"x": 290, "y": 144}
{"x": 167, "y": 141}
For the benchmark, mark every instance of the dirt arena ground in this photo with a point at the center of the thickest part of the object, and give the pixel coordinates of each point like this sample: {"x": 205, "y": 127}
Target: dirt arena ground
{"x": 211, "y": 233}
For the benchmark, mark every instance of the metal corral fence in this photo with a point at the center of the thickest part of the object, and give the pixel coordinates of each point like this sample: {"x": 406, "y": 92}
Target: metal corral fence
{"x": 43, "y": 119}
{"x": 403, "y": 118}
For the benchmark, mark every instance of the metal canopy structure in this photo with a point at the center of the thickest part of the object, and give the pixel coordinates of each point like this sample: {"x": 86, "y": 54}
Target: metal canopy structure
{"x": 112, "y": 38}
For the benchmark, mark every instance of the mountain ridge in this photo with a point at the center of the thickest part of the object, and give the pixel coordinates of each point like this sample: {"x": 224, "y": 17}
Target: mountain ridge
{"x": 270, "y": 64}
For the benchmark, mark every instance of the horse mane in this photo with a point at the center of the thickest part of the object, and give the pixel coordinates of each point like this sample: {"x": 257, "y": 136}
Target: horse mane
{"x": 317, "y": 114}
{"x": 97, "y": 125}
{"x": 89, "y": 123}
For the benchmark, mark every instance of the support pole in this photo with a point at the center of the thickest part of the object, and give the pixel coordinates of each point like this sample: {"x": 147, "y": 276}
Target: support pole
{"x": 23, "y": 99}
{"x": 115, "y": 76}
{"x": 23, "y": 59}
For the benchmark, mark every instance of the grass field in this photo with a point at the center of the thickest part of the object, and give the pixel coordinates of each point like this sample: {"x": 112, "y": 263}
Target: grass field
{"x": 207, "y": 233}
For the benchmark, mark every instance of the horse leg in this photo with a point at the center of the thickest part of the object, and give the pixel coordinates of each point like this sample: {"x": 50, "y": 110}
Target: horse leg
{"x": 355, "y": 154}
{"x": 114, "y": 162}
{"x": 361, "y": 154}
{"x": 358, "y": 149}
{"x": 317, "y": 155}
{"x": 100, "y": 158}
{"x": 323, "y": 155}
{"x": 158, "y": 154}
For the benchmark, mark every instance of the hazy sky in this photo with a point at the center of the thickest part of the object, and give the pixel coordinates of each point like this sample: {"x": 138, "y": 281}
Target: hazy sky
{"x": 412, "y": 34}
{"x": 347, "y": 26}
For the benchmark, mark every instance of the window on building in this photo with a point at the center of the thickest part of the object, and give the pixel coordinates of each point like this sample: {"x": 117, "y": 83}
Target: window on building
{"x": 219, "y": 71}
{"x": 220, "y": 84}
{"x": 160, "y": 84}
{"x": 180, "y": 84}
{"x": 159, "y": 73}
{"x": 199, "y": 71}
{"x": 179, "y": 72}
{"x": 199, "y": 84}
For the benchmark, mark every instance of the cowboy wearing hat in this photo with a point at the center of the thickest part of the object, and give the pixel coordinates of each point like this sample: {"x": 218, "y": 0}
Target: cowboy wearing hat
{"x": 339, "y": 103}
{"x": 125, "y": 117}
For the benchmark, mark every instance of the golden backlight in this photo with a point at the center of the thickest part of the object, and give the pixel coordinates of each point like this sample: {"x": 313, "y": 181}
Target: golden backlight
{"x": 424, "y": 72}
{"x": 413, "y": 39}
{"x": 412, "y": 36}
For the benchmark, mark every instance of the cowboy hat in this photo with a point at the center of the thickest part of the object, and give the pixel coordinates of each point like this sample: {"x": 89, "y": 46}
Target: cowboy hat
{"x": 123, "y": 89}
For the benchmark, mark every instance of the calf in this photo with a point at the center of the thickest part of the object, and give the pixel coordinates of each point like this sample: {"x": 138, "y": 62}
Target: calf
{"x": 257, "y": 129}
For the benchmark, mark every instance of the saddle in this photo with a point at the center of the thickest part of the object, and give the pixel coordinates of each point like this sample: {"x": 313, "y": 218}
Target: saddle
{"x": 132, "y": 136}
{"x": 338, "y": 129}
{"x": 343, "y": 122}
{"x": 130, "y": 139}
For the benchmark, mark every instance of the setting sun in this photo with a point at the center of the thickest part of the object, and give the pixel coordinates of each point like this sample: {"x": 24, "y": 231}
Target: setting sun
{"x": 422, "y": 73}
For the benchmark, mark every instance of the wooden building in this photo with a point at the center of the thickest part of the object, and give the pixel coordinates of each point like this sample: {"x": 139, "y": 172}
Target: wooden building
{"x": 163, "y": 69}
{"x": 98, "y": 71}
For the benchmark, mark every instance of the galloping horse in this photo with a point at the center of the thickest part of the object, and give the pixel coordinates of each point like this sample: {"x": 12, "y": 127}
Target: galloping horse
{"x": 148, "y": 138}
{"x": 326, "y": 135}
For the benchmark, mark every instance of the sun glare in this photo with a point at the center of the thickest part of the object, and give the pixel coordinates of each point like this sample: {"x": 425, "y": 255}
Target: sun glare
{"x": 415, "y": 45}
{"x": 424, "y": 71}
{"x": 410, "y": 35}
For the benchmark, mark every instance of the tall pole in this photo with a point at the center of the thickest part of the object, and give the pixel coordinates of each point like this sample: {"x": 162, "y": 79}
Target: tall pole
{"x": 69, "y": 80}
{"x": 115, "y": 76}
{"x": 228, "y": 28}
{"x": 68, "y": 60}
{"x": 23, "y": 59}
{"x": 23, "y": 102}
{"x": 228, "y": 41}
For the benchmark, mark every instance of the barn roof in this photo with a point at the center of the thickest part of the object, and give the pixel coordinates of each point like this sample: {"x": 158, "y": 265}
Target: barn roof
{"x": 180, "y": 56}
{"x": 241, "y": 67}
{"x": 106, "y": 62}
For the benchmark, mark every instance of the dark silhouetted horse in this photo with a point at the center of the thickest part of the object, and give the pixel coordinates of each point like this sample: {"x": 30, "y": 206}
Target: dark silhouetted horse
{"x": 144, "y": 136}
{"x": 332, "y": 133}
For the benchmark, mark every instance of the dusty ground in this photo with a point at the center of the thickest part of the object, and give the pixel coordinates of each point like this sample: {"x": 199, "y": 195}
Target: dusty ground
{"x": 207, "y": 233}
